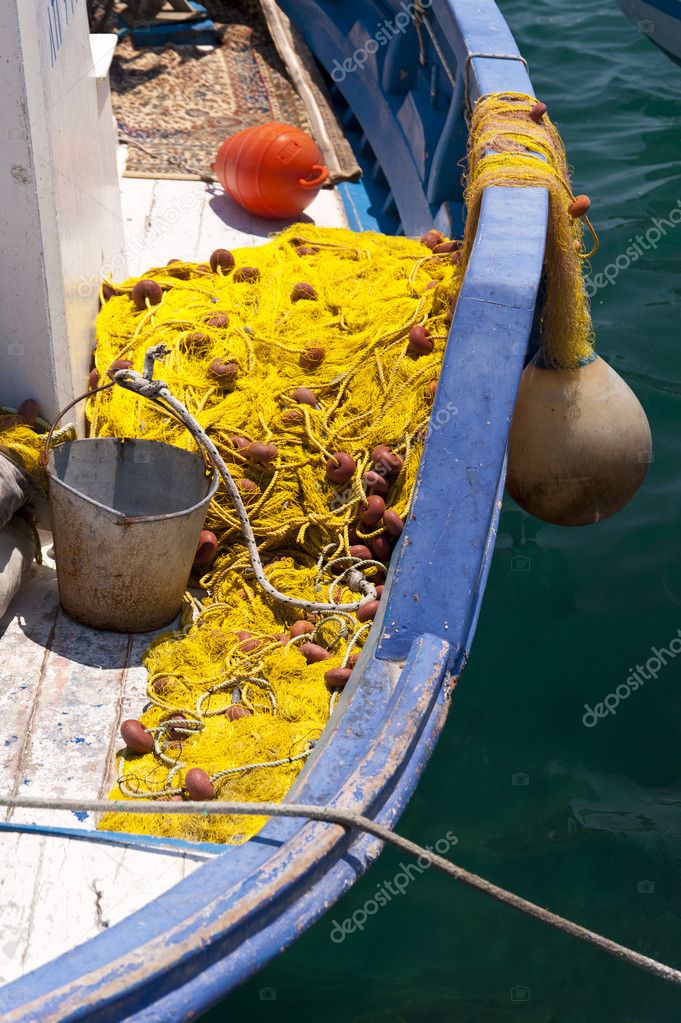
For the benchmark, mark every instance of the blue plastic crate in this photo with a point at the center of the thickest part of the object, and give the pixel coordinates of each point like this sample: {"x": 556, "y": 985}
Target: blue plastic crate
{"x": 157, "y": 33}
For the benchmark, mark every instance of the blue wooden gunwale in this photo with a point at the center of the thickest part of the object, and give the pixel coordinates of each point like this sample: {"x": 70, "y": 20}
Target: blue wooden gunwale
{"x": 664, "y": 31}
{"x": 183, "y": 952}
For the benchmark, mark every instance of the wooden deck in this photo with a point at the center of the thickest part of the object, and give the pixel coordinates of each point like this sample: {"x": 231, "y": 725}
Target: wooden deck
{"x": 64, "y": 688}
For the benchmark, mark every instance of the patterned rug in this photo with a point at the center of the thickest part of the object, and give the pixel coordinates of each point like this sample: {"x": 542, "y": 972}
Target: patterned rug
{"x": 174, "y": 106}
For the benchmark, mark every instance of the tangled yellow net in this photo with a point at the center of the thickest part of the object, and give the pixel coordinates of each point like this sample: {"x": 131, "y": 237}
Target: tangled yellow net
{"x": 359, "y": 322}
{"x": 22, "y": 444}
{"x": 346, "y": 339}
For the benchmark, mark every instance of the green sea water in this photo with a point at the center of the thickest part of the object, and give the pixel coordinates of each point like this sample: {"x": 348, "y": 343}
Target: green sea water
{"x": 584, "y": 820}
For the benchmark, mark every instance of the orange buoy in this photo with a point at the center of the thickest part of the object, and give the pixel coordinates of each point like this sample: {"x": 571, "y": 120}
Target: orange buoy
{"x": 28, "y": 410}
{"x": 336, "y": 678}
{"x": 136, "y": 737}
{"x": 305, "y": 396}
{"x": 198, "y": 785}
{"x": 299, "y": 628}
{"x": 313, "y": 652}
{"x": 146, "y": 289}
{"x": 367, "y": 612}
{"x": 236, "y": 711}
{"x": 273, "y": 170}
{"x": 580, "y": 207}
{"x": 206, "y": 549}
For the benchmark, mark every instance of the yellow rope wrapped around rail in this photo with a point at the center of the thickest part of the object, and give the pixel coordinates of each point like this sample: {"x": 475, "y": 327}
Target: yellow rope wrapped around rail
{"x": 513, "y": 142}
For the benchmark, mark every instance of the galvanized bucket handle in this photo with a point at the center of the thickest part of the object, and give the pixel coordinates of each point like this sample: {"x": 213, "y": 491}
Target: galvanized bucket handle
{"x": 207, "y": 460}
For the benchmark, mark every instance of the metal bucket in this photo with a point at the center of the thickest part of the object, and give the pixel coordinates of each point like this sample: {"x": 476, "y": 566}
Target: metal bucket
{"x": 126, "y": 519}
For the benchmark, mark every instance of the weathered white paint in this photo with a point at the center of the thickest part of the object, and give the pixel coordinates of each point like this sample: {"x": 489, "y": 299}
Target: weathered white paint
{"x": 189, "y": 219}
{"x": 63, "y": 692}
{"x": 60, "y": 215}
{"x": 57, "y": 892}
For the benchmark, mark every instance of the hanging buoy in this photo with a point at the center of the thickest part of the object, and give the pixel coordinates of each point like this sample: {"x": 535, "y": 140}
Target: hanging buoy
{"x": 272, "y": 170}
{"x": 580, "y": 207}
{"x": 579, "y": 445}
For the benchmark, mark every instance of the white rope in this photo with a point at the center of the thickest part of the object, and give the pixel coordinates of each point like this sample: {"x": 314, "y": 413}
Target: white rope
{"x": 350, "y": 820}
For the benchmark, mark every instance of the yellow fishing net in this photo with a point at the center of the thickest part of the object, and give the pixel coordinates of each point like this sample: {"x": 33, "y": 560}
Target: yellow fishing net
{"x": 360, "y": 320}
{"x": 346, "y": 340}
{"x": 22, "y": 444}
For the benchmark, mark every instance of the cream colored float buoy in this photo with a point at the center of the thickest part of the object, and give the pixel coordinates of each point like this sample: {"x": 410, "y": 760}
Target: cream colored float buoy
{"x": 579, "y": 445}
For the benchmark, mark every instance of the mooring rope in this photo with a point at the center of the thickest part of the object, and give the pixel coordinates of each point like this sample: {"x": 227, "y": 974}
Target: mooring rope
{"x": 348, "y": 819}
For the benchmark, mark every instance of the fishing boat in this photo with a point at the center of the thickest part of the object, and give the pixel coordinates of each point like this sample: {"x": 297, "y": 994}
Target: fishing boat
{"x": 659, "y": 21}
{"x": 103, "y": 925}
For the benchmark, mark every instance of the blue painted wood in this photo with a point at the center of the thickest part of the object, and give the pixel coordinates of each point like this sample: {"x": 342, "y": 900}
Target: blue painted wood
{"x": 436, "y": 578}
{"x": 178, "y": 845}
{"x": 191, "y": 33}
{"x": 444, "y": 180}
{"x": 659, "y": 21}
{"x": 187, "y": 949}
{"x": 340, "y": 36}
